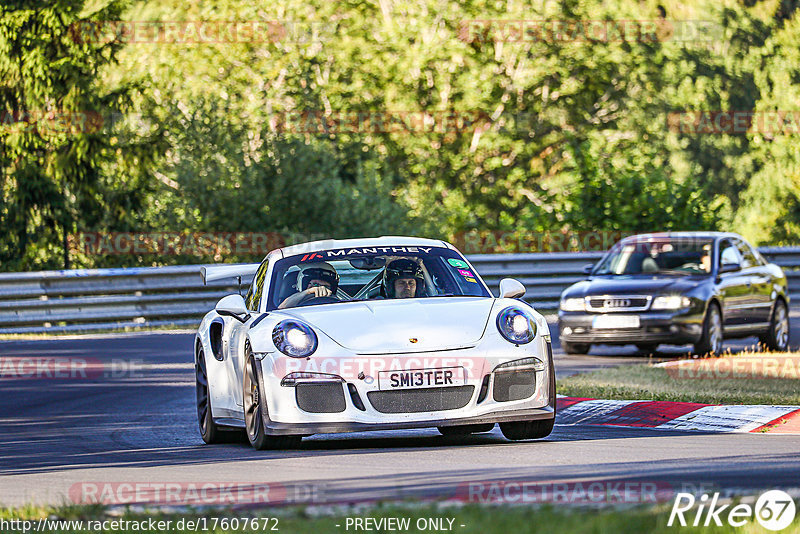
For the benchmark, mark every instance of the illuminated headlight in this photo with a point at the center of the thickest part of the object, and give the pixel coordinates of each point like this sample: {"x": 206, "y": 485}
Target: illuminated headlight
{"x": 670, "y": 302}
{"x": 294, "y": 338}
{"x": 573, "y": 304}
{"x": 521, "y": 365}
{"x": 516, "y": 326}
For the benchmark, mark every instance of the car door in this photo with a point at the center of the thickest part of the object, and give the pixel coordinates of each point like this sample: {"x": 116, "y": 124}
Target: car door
{"x": 760, "y": 285}
{"x": 733, "y": 285}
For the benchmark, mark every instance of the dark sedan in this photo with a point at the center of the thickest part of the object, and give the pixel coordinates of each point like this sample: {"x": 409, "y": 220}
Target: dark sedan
{"x": 677, "y": 288}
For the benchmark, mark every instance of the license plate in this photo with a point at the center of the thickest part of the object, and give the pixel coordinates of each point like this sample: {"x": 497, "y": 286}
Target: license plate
{"x": 615, "y": 321}
{"x": 422, "y": 378}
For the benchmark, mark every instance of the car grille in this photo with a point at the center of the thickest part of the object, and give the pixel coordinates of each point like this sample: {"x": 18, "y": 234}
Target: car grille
{"x": 320, "y": 398}
{"x": 514, "y": 385}
{"x": 421, "y": 400}
{"x": 606, "y": 303}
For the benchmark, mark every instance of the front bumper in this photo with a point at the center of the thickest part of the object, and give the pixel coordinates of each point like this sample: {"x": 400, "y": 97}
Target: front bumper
{"x": 357, "y": 403}
{"x": 674, "y": 328}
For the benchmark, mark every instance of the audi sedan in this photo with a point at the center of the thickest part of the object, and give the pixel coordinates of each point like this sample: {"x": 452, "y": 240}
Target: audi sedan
{"x": 677, "y": 288}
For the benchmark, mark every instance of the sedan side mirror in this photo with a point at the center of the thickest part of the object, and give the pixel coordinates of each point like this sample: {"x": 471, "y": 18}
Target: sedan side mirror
{"x": 730, "y": 267}
{"x": 233, "y": 306}
{"x": 511, "y": 289}
{"x": 587, "y": 269}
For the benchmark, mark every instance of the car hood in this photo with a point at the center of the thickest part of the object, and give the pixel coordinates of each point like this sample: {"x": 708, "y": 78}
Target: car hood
{"x": 388, "y": 326}
{"x": 633, "y": 285}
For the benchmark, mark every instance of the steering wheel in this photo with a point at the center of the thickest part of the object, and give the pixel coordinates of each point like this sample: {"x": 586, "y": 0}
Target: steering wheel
{"x": 318, "y": 300}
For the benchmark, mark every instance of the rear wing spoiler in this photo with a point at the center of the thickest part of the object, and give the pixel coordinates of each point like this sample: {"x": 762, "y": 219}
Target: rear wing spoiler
{"x": 219, "y": 272}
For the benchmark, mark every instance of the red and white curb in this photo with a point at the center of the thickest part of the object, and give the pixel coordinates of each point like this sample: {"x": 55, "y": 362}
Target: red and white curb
{"x": 679, "y": 415}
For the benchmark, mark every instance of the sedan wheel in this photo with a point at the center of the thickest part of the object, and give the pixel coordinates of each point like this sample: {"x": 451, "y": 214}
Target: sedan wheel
{"x": 712, "y": 337}
{"x": 777, "y": 338}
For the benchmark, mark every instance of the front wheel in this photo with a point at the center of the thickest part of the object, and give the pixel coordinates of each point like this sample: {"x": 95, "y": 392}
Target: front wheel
{"x": 254, "y": 406}
{"x": 518, "y": 430}
{"x": 711, "y": 338}
{"x": 777, "y": 338}
{"x": 575, "y": 348}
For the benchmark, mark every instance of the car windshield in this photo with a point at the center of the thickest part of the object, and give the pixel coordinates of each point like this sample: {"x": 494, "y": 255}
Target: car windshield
{"x": 663, "y": 256}
{"x": 371, "y": 273}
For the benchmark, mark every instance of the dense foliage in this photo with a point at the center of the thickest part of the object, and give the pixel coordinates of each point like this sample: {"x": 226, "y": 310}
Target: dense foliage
{"x": 552, "y": 133}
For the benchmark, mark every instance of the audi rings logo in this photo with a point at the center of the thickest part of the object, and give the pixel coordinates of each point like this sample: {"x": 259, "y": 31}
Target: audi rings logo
{"x": 616, "y": 303}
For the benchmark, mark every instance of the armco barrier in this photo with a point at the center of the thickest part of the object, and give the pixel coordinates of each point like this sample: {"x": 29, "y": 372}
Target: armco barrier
{"x": 106, "y": 299}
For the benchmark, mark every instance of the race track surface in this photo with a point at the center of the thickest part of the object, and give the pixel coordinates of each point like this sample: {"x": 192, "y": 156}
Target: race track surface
{"x": 58, "y": 435}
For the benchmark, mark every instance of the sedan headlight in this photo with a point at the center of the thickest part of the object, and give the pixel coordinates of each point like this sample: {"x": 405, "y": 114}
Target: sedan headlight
{"x": 516, "y": 325}
{"x": 294, "y": 338}
{"x": 670, "y": 302}
{"x": 573, "y": 304}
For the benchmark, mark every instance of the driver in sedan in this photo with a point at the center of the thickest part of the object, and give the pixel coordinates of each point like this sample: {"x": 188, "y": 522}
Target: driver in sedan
{"x": 314, "y": 280}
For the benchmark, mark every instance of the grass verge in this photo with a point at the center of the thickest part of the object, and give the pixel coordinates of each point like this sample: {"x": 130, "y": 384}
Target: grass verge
{"x": 747, "y": 378}
{"x": 467, "y": 519}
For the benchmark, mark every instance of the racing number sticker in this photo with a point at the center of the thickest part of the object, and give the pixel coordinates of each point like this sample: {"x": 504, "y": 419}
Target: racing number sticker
{"x": 467, "y": 274}
{"x": 457, "y": 263}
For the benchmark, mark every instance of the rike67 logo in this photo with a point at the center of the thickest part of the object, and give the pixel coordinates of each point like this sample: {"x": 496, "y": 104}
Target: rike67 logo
{"x": 774, "y": 510}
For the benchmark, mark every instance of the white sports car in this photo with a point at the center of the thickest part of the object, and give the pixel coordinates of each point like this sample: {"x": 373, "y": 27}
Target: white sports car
{"x": 371, "y": 334}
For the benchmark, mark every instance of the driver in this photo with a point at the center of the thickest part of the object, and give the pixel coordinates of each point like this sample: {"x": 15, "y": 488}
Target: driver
{"x": 403, "y": 279}
{"x": 313, "y": 281}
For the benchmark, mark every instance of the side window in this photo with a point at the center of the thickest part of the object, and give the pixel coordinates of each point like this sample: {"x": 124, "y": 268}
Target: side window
{"x": 748, "y": 257}
{"x": 253, "y": 297}
{"x": 728, "y": 253}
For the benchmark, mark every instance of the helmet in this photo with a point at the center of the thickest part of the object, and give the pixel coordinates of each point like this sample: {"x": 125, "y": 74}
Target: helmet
{"x": 402, "y": 268}
{"x": 317, "y": 271}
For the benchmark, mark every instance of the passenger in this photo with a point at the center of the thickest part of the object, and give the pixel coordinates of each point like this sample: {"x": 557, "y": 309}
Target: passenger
{"x": 403, "y": 279}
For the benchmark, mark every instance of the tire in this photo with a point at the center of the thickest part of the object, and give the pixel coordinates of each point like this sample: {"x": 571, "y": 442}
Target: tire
{"x": 575, "y": 348}
{"x": 777, "y": 338}
{"x": 648, "y": 348}
{"x": 712, "y": 336}
{"x": 211, "y": 432}
{"x": 464, "y": 430}
{"x": 519, "y": 430}
{"x": 538, "y": 429}
{"x": 252, "y": 400}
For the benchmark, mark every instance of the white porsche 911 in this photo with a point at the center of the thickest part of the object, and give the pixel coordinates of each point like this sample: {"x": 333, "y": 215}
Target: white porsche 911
{"x": 371, "y": 334}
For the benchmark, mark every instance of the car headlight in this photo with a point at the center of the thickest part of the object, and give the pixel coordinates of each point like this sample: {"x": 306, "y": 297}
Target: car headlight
{"x": 573, "y": 304}
{"x": 516, "y": 325}
{"x": 294, "y": 338}
{"x": 670, "y": 302}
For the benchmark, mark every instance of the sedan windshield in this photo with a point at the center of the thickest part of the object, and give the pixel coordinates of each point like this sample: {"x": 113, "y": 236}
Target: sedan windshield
{"x": 371, "y": 273}
{"x": 664, "y": 256}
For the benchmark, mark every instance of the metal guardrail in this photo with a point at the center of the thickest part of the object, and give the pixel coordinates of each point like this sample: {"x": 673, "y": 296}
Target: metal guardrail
{"x": 108, "y": 299}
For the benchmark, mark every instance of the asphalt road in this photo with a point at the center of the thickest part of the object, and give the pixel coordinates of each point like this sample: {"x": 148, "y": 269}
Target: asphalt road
{"x": 137, "y": 424}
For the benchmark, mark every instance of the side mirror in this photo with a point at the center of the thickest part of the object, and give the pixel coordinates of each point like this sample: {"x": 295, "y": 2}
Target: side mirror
{"x": 511, "y": 289}
{"x": 587, "y": 269}
{"x": 233, "y": 306}
{"x": 729, "y": 267}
